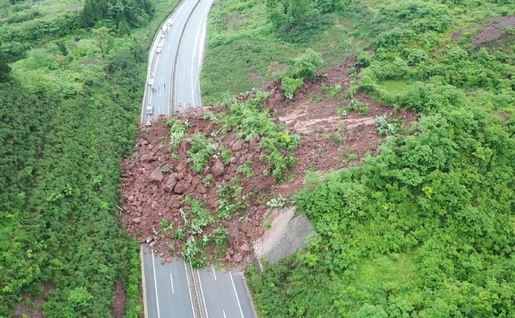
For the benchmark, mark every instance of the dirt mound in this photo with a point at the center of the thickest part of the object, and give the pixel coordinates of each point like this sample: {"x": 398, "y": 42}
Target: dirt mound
{"x": 495, "y": 31}
{"x": 158, "y": 179}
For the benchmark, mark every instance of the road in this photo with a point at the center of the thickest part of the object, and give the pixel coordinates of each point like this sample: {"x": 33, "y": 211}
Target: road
{"x": 175, "y": 289}
{"x": 173, "y": 82}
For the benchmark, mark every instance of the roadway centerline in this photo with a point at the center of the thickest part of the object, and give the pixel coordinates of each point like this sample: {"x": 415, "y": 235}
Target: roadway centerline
{"x": 171, "y": 283}
{"x": 189, "y": 288}
{"x": 202, "y": 293}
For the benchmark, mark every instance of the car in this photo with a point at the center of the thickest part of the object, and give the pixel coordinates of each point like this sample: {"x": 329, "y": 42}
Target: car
{"x": 158, "y": 50}
{"x": 150, "y": 82}
{"x": 163, "y": 35}
{"x": 149, "y": 122}
{"x": 150, "y": 110}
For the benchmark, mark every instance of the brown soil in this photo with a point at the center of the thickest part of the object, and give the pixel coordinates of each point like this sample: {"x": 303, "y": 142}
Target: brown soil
{"x": 120, "y": 298}
{"x": 32, "y": 307}
{"x": 495, "y": 31}
{"x": 329, "y": 142}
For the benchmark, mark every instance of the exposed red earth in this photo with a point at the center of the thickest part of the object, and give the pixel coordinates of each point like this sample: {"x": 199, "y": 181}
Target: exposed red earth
{"x": 329, "y": 142}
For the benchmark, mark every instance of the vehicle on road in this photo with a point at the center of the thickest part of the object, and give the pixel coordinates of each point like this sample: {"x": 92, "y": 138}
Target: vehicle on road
{"x": 151, "y": 81}
{"x": 149, "y": 122}
{"x": 158, "y": 50}
{"x": 150, "y": 110}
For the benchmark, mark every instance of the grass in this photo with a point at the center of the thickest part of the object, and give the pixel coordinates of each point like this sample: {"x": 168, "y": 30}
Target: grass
{"x": 395, "y": 271}
{"x": 394, "y": 86}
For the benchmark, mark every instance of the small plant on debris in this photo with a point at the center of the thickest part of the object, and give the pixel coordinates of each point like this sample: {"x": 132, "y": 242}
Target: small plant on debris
{"x": 276, "y": 203}
{"x": 177, "y": 131}
{"x": 388, "y": 127}
{"x": 246, "y": 169}
{"x": 230, "y": 199}
{"x": 201, "y": 151}
{"x": 356, "y": 105}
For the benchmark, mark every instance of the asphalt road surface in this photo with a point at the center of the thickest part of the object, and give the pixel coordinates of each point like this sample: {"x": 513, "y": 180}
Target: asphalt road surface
{"x": 175, "y": 61}
{"x": 177, "y": 290}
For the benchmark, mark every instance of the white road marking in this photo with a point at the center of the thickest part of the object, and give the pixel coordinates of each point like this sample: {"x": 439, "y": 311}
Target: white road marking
{"x": 163, "y": 67}
{"x": 189, "y": 289}
{"x": 235, "y": 293}
{"x": 171, "y": 283}
{"x": 159, "y": 93}
{"x": 166, "y": 56}
{"x": 224, "y": 313}
{"x": 214, "y": 273}
{"x": 155, "y": 284}
{"x": 202, "y": 293}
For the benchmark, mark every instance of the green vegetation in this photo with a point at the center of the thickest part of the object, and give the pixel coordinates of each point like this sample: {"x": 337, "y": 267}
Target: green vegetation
{"x": 425, "y": 229}
{"x": 70, "y": 104}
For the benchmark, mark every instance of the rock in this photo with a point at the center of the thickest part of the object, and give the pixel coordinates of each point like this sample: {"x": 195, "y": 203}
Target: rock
{"x": 233, "y": 160}
{"x": 261, "y": 231}
{"x": 185, "y": 144}
{"x": 245, "y": 248}
{"x": 171, "y": 182}
{"x": 201, "y": 189}
{"x": 227, "y": 177}
{"x": 218, "y": 168}
{"x": 195, "y": 182}
{"x": 237, "y": 146}
{"x": 136, "y": 220}
{"x": 131, "y": 198}
{"x": 237, "y": 258}
{"x": 157, "y": 175}
{"x": 183, "y": 185}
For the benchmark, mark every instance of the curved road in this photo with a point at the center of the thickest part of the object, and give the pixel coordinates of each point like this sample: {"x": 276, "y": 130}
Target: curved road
{"x": 172, "y": 89}
{"x": 176, "y": 289}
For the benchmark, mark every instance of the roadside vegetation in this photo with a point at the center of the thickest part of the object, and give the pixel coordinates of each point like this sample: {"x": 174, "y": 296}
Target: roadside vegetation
{"x": 424, "y": 229}
{"x": 70, "y": 99}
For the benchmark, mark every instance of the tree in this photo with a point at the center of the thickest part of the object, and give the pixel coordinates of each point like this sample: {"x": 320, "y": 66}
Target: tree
{"x": 5, "y": 69}
{"x": 104, "y": 40}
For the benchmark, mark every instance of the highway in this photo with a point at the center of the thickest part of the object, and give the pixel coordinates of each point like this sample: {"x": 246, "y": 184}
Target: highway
{"x": 173, "y": 82}
{"x": 175, "y": 289}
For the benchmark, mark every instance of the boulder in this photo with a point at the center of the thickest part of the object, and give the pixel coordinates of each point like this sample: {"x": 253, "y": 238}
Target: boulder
{"x": 201, "y": 189}
{"x": 218, "y": 168}
{"x": 183, "y": 185}
{"x": 245, "y": 248}
{"x": 171, "y": 182}
{"x": 136, "y": 220}
{"x": 237, "y": 146}
{"x": 237, "y": 258}
{"x": 157, "y": 175}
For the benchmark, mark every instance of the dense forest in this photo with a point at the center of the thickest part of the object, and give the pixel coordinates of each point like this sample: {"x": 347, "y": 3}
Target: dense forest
{"x": 426, "y": 228}
{"x": 70, "y": 99}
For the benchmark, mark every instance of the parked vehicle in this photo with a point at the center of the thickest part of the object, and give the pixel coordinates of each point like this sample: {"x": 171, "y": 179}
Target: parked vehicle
{"x": 150, "y": 110}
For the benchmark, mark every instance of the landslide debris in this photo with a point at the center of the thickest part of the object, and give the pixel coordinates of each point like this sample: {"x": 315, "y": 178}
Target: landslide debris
{"x": 201, "y": 185}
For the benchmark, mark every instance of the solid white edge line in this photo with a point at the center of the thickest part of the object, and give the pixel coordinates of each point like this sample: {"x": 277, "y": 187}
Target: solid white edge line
{"x": 143, "y": 283}
{"x": 235, "y": 293}
{"x": 189, "y": 289}
{"x": 155, "y": 284}
{"x": 214, "y": 273}
{"x": 224, "y": 313}
{"x": 202, "y": 293}
{"x": 171, "y": 283}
